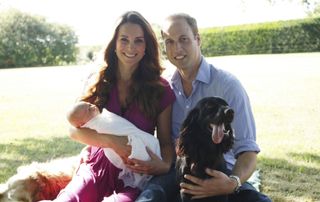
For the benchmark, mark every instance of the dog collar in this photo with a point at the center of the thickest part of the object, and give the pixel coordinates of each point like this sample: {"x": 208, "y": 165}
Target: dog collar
{"x": 237, "y": 179}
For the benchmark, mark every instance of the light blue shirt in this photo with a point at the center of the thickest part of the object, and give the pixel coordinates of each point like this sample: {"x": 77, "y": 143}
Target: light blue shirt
{"x": 211, "y": 81}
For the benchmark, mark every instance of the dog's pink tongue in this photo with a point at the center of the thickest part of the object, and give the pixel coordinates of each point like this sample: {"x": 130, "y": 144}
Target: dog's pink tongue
{"x": 217, "y": 133}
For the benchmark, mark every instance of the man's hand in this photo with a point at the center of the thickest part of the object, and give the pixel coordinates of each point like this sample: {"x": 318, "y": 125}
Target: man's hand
{"x": 219, "y": 184}
{"x": 154, "y": 166}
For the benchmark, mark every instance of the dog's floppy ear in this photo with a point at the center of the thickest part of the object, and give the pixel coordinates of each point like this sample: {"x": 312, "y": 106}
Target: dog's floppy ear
{"x": 228, "y": 115}
{"x": 192, "y": 118}
{"x": 189, "y": 127}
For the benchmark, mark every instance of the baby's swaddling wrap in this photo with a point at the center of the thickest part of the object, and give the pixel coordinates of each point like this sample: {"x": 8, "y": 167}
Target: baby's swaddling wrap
{"x": 110, "y": 123}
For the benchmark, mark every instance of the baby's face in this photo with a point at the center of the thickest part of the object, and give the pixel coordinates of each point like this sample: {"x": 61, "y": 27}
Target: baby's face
{"x": 90, "y": 111}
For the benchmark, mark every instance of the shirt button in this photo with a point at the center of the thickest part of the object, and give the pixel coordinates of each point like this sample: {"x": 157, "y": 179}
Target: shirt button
{"x": 187, "y": 106}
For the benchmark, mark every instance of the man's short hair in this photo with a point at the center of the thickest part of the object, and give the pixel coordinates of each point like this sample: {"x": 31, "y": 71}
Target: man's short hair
{"x": 192, "y": 22}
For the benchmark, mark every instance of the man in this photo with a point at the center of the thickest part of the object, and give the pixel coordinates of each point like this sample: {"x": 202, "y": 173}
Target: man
{"x": 194, "y": 79}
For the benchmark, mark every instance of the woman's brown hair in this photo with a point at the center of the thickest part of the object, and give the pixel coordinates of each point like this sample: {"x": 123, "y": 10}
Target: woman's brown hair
{"x": 146, "y": 89}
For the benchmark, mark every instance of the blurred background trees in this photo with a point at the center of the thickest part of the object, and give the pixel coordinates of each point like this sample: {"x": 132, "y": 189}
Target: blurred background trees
{"x": 28, "y": 40}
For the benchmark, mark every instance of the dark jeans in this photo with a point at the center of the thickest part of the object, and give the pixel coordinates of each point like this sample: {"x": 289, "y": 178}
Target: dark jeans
{"x": 164, "y": 188}
{"x": 160, "y": 188}
{"x": 248, "y": 193}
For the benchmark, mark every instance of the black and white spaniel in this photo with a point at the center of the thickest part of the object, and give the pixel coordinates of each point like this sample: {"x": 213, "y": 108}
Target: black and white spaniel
{"x": 206, "y": 134}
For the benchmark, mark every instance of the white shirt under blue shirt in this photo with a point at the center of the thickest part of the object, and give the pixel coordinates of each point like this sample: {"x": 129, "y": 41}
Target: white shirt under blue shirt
{"x": 211, "y": 81}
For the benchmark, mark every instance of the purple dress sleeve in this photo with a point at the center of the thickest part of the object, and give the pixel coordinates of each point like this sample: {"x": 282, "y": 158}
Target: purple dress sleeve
{"x": 168, "y": 96}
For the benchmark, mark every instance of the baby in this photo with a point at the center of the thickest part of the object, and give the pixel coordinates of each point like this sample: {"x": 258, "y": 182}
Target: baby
{"x": 87, "y": 115}
{"x": 81, "y": 113}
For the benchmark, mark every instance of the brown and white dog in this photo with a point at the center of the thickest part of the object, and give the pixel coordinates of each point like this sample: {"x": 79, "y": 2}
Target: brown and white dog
{"x": 39, "y": 181}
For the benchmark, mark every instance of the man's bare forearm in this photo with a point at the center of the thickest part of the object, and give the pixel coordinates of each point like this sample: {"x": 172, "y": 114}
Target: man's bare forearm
{"x": 245, "y": 165}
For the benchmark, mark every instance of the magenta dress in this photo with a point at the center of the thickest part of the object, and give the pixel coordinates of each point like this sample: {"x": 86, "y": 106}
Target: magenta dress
{"x": 98, "y": 180}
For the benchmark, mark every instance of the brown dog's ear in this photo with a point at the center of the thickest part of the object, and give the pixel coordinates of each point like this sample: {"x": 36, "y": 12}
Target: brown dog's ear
{"x": 217, "y": 133}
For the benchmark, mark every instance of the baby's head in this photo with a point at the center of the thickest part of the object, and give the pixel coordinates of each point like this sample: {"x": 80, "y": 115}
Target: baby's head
{"x": 81, "y": 113}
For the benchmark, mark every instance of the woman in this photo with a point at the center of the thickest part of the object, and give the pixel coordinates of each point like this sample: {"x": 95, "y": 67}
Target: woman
{"x": 130, "y": 86}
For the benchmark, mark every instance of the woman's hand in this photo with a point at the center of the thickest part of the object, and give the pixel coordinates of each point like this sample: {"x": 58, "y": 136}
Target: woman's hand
{"x": 121, "y": 147}
{"x": 154, "y": 166}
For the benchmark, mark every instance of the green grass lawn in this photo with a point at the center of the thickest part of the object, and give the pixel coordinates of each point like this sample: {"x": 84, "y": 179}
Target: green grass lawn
{"x": 284, "y": 93}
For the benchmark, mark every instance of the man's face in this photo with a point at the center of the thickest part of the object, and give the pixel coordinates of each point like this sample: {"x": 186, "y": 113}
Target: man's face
{"x": 182, "y": 46}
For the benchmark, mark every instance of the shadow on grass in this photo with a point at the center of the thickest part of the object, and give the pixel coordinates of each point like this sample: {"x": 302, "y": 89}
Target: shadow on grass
{"x": 308, "y": 157}
{"x": 25, "y": 151}
{"x": 291, "y": 180}
{"x": 283, "y": 180}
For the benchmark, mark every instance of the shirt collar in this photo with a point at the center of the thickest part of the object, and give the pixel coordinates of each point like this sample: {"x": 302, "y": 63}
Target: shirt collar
{"x": 203, "y": 74}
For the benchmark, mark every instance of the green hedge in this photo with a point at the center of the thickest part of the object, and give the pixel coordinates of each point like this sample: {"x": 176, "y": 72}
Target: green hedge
{"x": 276, "y": 37}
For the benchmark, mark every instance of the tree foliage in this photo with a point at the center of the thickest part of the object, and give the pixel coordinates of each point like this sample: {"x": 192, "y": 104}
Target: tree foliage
{"x": 27, "y": 40}
{"x": 312, "y": 7}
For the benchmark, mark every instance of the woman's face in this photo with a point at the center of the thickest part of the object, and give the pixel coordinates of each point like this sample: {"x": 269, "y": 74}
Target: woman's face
{"x": 130, "y": 45}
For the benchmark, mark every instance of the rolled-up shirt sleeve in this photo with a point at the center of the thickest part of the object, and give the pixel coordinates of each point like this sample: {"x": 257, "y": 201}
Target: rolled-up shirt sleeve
{"x": 243, "y": 123}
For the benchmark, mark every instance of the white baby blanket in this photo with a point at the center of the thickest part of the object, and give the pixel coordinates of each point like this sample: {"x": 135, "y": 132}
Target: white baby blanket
{"x": 110, "y": 123}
